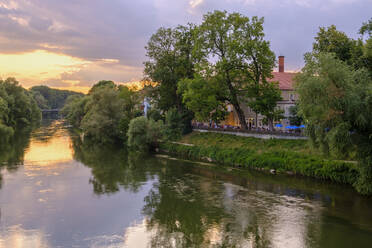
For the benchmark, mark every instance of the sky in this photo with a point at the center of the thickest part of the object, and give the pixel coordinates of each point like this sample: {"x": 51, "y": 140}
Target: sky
{"x": 72, "y": 44}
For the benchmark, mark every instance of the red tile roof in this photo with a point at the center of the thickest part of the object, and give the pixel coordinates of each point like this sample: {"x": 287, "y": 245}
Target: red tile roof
{"x": 285, "y": 80}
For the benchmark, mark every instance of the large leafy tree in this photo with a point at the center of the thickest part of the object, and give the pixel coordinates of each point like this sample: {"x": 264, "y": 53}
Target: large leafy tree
{"x": 170, "y": 60}
{"x": 232, "y": 52}
{"x": 169, "y": 52}
{"x": 336, "y": 103}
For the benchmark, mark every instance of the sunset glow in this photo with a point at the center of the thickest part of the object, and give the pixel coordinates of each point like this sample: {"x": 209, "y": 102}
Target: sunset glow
{"x": 38, "y": 66}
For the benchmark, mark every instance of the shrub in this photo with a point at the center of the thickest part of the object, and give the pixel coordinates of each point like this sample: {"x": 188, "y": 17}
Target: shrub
{"x": 144, "y": 134}
{"x": 173, "y": 124}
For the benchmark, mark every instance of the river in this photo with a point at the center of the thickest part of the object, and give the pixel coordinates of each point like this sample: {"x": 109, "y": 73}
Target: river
{"x": 59, "y": 192}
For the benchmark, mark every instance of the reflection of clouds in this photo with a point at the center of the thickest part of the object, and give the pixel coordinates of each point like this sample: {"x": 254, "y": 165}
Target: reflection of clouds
{"x": 42, "y": 153}
{"x": 137, "y": 235}
{"x": 17, "y": 237}
{"x": 270, "y": 219}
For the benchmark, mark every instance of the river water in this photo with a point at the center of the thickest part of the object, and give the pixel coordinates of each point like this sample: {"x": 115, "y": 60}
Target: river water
{"x": 59, "y": 192}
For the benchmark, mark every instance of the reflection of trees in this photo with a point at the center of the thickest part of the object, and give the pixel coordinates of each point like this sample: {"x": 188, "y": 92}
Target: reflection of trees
{"x": 112, "y": 168}
{"x": 192, "y": 206}
{"x": 189, "y": 207}
{"x": 177, "y": 210}
{"x": 12, "y": 152}
{"x": 48, "y": 129}
{"x": 185, "y": 210}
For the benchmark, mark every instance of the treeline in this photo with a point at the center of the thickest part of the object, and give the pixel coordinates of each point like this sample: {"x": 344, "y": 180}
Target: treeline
{"x": 18, "y": 109}
{"x": 48, "y": 98}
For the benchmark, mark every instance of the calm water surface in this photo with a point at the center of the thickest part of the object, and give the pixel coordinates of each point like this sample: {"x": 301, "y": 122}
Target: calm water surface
{"x": 59, "y": 192}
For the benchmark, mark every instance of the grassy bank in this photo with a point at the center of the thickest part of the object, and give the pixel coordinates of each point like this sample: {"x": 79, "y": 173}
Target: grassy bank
{"x": 285, "y": 156}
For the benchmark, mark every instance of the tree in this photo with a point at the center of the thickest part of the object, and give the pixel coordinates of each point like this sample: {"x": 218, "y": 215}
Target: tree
{"x": 265, "y": 102}
{"x": 231, "y": 49}
{"x": 170, "y": 60}
{"x": 366, "y": 28}
{"x": 102, "y": 84}
{"x": 169, "y": 52}
{"x": 295, "y": 118}
{"x": 144, "y": 134}
{"x": 336, "y": 103}
{"x": 204, "y": 98}
{"x": 104, "y": 114}
{"x": 74, "y": 109}
{"x": 354, "y": 52}
{"x": 330, "y": 40}
{"x": 22, "y": 109}
{"x": 18, "y": 109}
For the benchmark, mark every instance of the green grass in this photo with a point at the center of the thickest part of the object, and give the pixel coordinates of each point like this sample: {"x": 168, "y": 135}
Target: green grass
{"x": 282, "y": 155}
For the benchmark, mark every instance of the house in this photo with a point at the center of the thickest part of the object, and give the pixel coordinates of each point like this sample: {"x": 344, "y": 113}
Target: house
{"x": 286, "y": 82}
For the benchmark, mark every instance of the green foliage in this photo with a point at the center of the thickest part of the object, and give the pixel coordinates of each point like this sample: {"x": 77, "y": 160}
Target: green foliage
{"x": 174, "y": 125}
{"x": 102, "y": 84}
{"x": 18, "y": 109}
{"x": 333, "y": 41}
{"x": 295, "y": 118}
{"x": 336, "y": 103}
{"x": 154, "y": 114}
{"x": 144, "y": 134}
{"x": 169, "y": 52}
{"x": 104, "y": 111}
{"x": 354, "y": 52}
{"x": 366, "y": 28}
{"x": 48, "y": 98}
{"x": 265, "y": 98}
{"x": 74, "y": 109}
{"x": 104, "y": 114}
{"x": 203, "y": 98}
{"x": 233, "y": 55}
{"x": 282, "y": 155}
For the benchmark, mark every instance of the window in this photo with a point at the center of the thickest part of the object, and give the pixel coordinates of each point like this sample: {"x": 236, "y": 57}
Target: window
{"x": 291, "y": 97}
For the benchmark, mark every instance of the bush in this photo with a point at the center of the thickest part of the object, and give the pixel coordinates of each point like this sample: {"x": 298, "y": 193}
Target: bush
{"x": 173, "y": 125}
{"x": 144, "y": 134}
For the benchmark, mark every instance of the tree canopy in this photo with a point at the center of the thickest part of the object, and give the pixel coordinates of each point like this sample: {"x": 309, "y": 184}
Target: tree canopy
{"x": 233, "y": 59}
{"x": 104, "y": 114}
{"x": 335, "y": 100}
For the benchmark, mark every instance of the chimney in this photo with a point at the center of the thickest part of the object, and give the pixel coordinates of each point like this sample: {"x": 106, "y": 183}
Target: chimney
{"x": 281, "y": 63}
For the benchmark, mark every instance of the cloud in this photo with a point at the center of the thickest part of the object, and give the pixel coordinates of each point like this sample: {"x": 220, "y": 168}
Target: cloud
{"x": 111, "y": 35}
{"x": 195, "y": 3}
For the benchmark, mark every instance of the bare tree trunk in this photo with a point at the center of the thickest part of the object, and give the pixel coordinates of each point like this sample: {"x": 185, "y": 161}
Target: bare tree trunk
{"x": 235, "y": 102}
{"x": 241, "y": 116}
{"x": 271, "y": 124}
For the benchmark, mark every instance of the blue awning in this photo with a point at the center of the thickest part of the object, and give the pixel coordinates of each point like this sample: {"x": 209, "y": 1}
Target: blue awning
{"x": 291, "y": 127}
{"x": 278, "y": 125}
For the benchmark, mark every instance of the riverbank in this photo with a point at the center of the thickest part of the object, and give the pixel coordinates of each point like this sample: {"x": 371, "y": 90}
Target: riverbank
{"x": 281, "y": 156}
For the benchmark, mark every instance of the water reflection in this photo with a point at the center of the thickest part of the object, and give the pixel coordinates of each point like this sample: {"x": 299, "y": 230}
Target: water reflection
{"x": 69, "y": 193}
{"x": 112, "y": 168}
